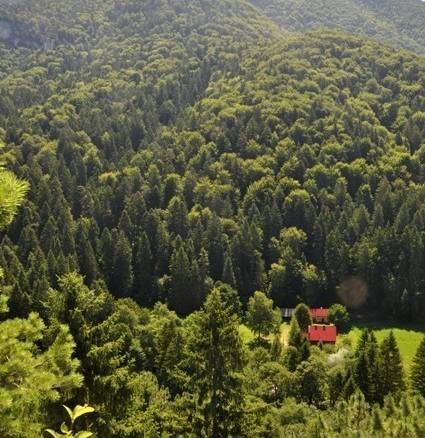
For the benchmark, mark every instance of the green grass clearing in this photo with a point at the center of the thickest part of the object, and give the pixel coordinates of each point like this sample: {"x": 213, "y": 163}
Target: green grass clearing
{"x": 247, "y": 335}
{"x": 408, "y": 339}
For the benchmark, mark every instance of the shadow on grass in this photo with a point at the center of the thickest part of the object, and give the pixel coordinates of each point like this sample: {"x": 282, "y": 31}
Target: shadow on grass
{"x": 382, "y": 325}
{"x": 259, "y": 342}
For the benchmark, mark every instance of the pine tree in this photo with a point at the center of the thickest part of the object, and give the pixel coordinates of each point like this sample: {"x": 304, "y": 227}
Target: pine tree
{"x": 47, "y": 235}
{"x": 106, "y": 249}
{"x": 34, "y": 378}
{"x": 215, "y": 246}
{"x": 142, "y": 287}
{"x": 181, "y": 298}
{"x": 249, "y": 264}
{"x": 228, "y": 273}
{"x": 366, "y": 368}
{"x": 122, "y": 273}
{"x": 216, "y": 357}
{"x": 390, "y": 367}
{"x": 417, "y": 376}
{"x": 276, "y": 347}
{"x": 163, "y": 250}
{"x": 12, "y": 193}
{"x": 177, "y": 217}
{"x": 373, "y": 395}
{"x": 196, "y": 286}
{"x": 304, "y": 350}
{"x": 67, "y": 236}
{"x": 28, "y": 242}
{"x": 230, "y": 298}
{"x": 168, "y": 349}
{"x": 204, "y": 270}
{"x": 294, "y": 337}
{"x": 86, "y": 256}
{"x": 125, "y": 225}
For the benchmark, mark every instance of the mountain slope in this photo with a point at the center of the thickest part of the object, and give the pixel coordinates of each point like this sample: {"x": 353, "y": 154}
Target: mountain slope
{"x": 401, "y": 24}
{"x": 251, "y": 141}
{"x": 179, "y": 147}
{"x": 34, "y": 23}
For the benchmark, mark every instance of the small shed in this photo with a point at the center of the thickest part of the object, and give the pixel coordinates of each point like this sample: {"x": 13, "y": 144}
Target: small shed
{"x": 321, "y": 334}
{"x": 286, "y": 312}
{"x": 319, "y": 315}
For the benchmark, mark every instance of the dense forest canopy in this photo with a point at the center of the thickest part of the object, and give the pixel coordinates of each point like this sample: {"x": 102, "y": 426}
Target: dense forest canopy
{"x": 193, "y": 164}
{"x": 399, "y": 23}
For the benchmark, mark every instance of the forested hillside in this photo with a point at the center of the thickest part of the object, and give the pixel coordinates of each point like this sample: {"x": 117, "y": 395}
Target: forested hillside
{"x": 394, "y": 22}
{"x": 182, "y": 156}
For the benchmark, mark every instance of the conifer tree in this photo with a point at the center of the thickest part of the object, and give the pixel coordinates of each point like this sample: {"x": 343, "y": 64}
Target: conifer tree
{"x": 230, "y": 297}
{"x": 122, "y": 273}
{"x": 177, "y": 217}
{"x": 12, "y": 193}
{"x": 215, "y": 246}
{"x": 417, "y": 376}
{"x": 169, "y": 352}
{"x": 216, "y": 355}
{"x": 276, "y": 347}
{"x": 142, "y": 287}
{"x": 390, "y": 367}
{"x": 228, "y": 273}
{"x": 366, "y": 369}
{"x": 182, "y": 297}
{"x": 204, "y": 270}
{"x": 125, "y": 225}
{"x": 294, "y": 337}
{"x": 106, "y": 249}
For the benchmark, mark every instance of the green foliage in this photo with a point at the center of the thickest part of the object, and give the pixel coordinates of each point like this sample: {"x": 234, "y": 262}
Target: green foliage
{"x": 12, "y": 193}
{"x": 303, "y": 316}
{"x": 33, "y": 378}
{"x": 261, "y": 317}
{"x": 66, "y": 431}
{"x": 338, "y": 315}
{"x": 386, "y": 21}
{"x": 192, "y": 153}
{"x": 312, "y": 381}
{"x": 216, "y": 357}
{"x": 417, "y": 377}
{"x": 391, "y": 367}
{"x": 295, "y": 335}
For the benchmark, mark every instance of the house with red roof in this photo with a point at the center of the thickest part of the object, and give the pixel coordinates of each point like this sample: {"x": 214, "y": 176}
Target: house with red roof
{"x": 321, "y": 334}
{"x": 319, "y": 315}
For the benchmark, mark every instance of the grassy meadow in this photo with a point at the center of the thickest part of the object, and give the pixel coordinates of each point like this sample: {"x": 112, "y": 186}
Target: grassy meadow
{"x": 408, "y": 338}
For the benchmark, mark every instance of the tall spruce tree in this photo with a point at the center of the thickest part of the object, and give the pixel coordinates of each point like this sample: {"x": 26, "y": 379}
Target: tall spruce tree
{"x": 122, "y": 273}
{"x": 143, "y": 265}
{"x": 390, "y": 366}
{"x": 417, "y": 377}
{"x": 366, "y": 368}
{"x": 86, "y": 256}
{"x": 228, "y": 272}
{"x": 216, "y": 357}
{"x": 182, "y": 298}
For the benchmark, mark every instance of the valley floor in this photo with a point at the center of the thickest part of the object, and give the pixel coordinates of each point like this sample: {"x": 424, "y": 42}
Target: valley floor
{"x": 408, "y": 336}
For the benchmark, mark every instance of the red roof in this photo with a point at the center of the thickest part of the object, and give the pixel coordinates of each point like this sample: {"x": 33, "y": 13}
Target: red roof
{"x": 319, "y": 313}
{"x": 321, "y": 333}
